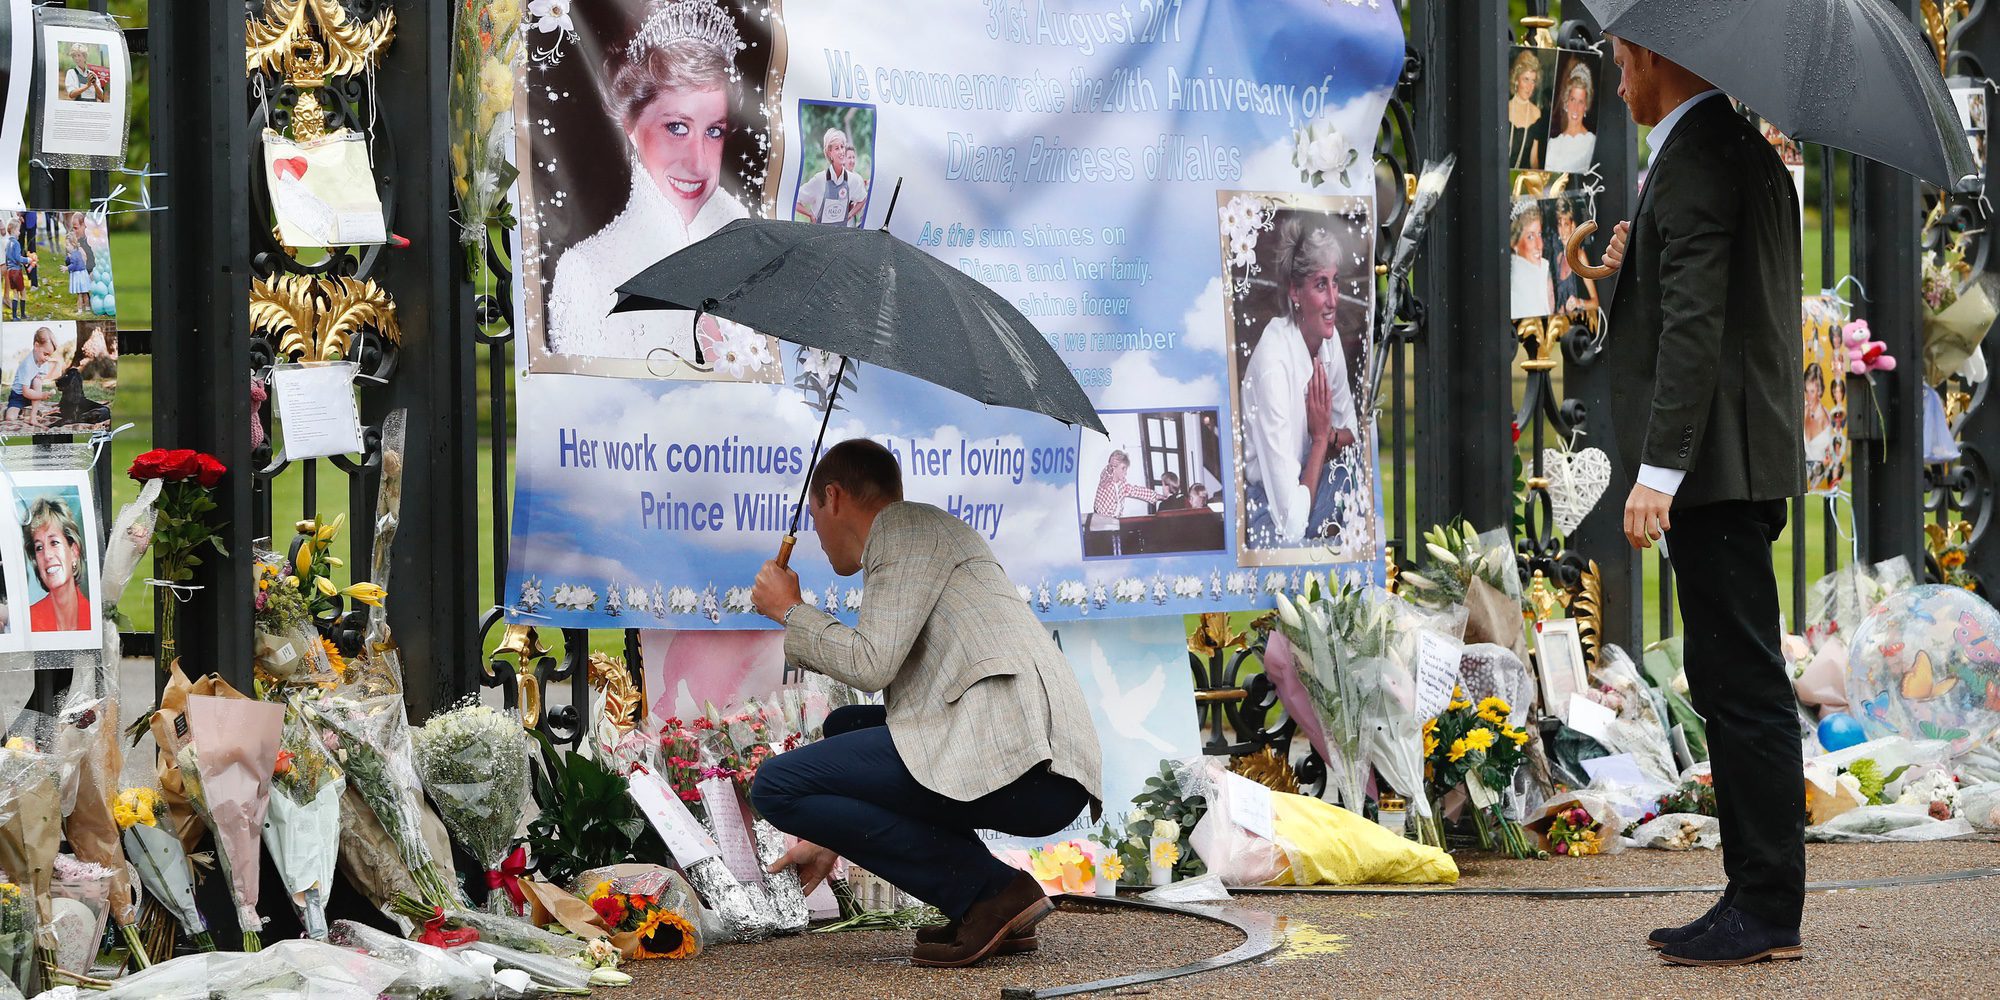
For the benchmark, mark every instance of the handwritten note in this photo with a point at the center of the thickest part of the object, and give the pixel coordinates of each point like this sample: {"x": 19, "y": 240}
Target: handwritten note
{"x": 1250, "y": 806}
{"x": 685, "y": 838}
{"x": 732, "y": 834}
{"x": 1437, "y": 671}
{"x": 317, "y": 409}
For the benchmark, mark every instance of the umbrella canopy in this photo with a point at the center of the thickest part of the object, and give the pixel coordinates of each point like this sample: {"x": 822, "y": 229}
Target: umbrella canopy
{"x": 871, "y": 298}
{"x": 1852, "y": 74}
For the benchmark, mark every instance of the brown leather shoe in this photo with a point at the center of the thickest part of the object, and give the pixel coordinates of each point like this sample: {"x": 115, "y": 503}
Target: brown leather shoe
{"x": 1015, "y": 910}
{"x": 1016, "y": 943}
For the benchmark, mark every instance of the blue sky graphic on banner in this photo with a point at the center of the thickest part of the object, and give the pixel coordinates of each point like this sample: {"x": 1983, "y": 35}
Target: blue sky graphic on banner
{"x": 1128, "y": 174}
{"x": 1134, "y": 673}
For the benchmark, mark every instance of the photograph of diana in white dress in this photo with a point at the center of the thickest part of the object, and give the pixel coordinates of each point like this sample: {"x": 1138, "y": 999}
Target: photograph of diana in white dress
{"x": 1572, "y": 145}
{"x": 669, "y": 91}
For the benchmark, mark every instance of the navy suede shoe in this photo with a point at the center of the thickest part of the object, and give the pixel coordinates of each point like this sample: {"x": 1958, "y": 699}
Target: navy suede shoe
{"x": 1737, "y": 938}
{"x": 1688, "y": 932}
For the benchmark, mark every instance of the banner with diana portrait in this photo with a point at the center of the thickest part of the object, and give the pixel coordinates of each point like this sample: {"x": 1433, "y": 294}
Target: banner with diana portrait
{"x": 1083, "y": 158}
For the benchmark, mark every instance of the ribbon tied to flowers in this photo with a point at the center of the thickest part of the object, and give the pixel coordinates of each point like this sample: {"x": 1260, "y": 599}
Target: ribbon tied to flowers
{"x": 508, "y": 877}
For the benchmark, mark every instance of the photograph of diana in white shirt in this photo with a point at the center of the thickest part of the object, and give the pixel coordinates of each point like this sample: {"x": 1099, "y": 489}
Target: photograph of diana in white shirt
{"x": 1297, "y": 398}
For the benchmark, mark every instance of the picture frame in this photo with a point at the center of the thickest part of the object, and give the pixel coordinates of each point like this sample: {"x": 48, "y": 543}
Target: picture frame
{"x": 1559, "y": 663}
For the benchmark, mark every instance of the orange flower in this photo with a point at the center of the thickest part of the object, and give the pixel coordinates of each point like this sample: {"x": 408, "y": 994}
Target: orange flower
{"x": 666, "y": 934}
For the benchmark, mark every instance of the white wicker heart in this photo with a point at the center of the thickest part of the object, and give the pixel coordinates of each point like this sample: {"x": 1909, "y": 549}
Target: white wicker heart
{"x": 1577, "y": 481}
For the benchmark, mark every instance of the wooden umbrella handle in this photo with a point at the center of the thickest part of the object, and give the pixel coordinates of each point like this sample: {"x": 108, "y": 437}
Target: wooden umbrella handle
{"x": 785, "y": 551}
{"x": 1577, "y": 262}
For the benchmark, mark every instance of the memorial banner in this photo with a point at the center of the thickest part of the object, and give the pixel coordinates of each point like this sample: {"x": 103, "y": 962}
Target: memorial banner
{"x": 1181, "y": 196}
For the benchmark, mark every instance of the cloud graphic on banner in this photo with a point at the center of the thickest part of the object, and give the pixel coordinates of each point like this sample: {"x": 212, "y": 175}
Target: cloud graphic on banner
{"x": 1138, "y": 383}
{"x": 1203, "y": 324}
{"x": 1358, "y": 119}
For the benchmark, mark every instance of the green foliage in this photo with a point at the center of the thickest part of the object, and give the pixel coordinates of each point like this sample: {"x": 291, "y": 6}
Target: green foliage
{"x": 1160, "y": 801}
{"x": 587, "y": 819}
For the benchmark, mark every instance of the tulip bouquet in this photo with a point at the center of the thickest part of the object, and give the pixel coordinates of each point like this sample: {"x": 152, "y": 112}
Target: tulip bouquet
{"x": 181, "y": 530}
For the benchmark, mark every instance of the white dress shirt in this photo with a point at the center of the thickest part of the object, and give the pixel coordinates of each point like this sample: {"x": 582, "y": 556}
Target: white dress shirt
{"x": 1275, "y": 433}
{"x": 1655, "y": 477}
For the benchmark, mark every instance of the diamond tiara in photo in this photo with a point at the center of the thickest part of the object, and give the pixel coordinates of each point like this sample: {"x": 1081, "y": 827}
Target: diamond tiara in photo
{"x": 702, "y": 21}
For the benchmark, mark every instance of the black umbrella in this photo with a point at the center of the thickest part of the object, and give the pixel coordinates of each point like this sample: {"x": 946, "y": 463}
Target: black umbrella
{"x": 868, "y": 297}
{"x": 1853, "y": 74}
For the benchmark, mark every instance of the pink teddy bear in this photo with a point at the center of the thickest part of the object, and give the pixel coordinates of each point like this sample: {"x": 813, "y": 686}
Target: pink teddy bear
{"x": 1864, "y": 355}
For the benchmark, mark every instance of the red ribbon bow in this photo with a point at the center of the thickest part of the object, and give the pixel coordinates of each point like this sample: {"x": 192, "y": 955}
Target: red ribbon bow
{"x": 508, "y": 877}
{"x": 435, "y": 934}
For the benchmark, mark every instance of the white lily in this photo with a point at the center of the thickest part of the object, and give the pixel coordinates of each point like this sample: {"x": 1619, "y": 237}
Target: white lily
{"x": 1442, "y": 554}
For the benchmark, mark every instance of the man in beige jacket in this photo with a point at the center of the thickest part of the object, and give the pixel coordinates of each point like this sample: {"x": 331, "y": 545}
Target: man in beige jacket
{"x": 983, "y": 725}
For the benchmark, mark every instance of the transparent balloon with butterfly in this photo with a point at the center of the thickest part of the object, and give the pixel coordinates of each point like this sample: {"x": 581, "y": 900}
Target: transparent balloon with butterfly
{"x": 1925, "y": 664}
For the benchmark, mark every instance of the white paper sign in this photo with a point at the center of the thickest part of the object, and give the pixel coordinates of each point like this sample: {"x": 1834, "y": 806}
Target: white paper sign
{"x": 732, "y": 835}
{"x": 685, "y": 838}
{"x": 1250, "y": 806}
{"x": 1589, "y": 718}
{"x": 1438, "y": 657}
{"x": 317, "y": 409}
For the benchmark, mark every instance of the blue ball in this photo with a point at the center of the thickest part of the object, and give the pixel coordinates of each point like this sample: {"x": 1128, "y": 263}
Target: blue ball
{"x": 1840, "y": 731}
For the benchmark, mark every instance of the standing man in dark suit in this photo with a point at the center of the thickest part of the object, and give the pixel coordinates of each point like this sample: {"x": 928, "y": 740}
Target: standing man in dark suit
{"x": 1704, "y": 347}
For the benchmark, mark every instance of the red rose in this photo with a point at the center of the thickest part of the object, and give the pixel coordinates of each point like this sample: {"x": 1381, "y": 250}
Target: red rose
{"x": 210, "y": 470}
{"x": 148, "y": 466}
{"x": 180, "y": 464}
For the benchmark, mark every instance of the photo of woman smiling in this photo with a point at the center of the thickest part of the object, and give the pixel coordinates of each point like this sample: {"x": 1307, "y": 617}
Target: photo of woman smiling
{"x": 669, "y": 82}
{"x": 55, "y": 556}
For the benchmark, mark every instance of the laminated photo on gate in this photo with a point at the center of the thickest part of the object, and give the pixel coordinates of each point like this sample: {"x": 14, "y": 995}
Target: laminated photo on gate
{"x": 1086, "y": 185}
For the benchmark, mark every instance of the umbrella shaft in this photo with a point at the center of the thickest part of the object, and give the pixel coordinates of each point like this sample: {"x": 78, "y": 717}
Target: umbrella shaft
{"x": 824, "y": 419}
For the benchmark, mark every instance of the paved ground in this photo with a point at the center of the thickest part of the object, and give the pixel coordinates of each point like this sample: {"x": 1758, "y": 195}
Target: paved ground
{"x": 1925, "y": 941}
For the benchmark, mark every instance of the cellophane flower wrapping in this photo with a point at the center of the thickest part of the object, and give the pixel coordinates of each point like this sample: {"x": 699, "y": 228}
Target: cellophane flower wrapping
{"x": 30, "y": 836}
{"x": 650, "y": 912}
{"x": 303, "y": 969}
{"x": 486, "y": 44}
{"x": 302, "y": 828}
{"x": 1639, "y": 729}
{"x": 370, "y": 739}
{"x": 429, "y": 973}
{"x": 499, "y": 928}
{"x": 696, "y": 855}
{"x": 157, "y": 855}
{"x": 226, "y": 767}
{"x": 89, "y": 885}
{"x": 1391, "y": 733}
{"x": 548, "y": 971}
{"x": 18, "y": 927}
{"x": 474, "y": 762}
{"x": 381, "y": 670}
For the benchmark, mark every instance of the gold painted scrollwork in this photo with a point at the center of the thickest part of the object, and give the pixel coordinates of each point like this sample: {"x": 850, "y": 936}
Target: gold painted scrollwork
{"x": 521, "y": 644}
{"x": 622, "y": 699}
{"x": 315, "y": 319}
{"x": 1586, "y": 605}
{"x": 347, "y": 45}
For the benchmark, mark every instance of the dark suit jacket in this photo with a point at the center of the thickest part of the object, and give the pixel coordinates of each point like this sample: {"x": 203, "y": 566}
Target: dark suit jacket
{"x": 1704, "y": 341}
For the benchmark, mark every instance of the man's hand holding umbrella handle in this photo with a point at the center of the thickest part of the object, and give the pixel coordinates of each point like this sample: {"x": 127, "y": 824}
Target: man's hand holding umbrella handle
{"x": 776, "y": 591}
{"x": 784, "y": 559}
{"x": 1614, "y": 255}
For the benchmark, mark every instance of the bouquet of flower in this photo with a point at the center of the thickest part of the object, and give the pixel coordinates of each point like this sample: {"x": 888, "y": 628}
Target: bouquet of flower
{"x": 313, "y": 563}
{"x": 474, "y": 762}
{"x": 1459, "y": 554}
{"x": 429, "y": 973}
{"x": 160, "y": 860}
{"x": 181, "y": 530}
{"x": 18, "y": 926}
{"x": 89, "y": 885}
{"x": 226, "y": 758}
{"x": 1694, "y": 796}
{"x": 486, "y": 43}
{"x": 288, "y": 649}
{"x": 370, "y": 738}
{"x": 30, "y": 837}
{"x": 302, "y": 830}
{"x": 457, "y": 925}
{"x": 1572, "y": 833}
{"x": 1164, "y": 810}
{"x": 648, "y": 916}
{"x": 1477, "y": 746}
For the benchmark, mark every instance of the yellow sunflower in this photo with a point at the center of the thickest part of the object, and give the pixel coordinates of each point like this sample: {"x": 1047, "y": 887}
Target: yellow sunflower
{"x": 333, "y": 657}
{"x": 666, "y": 934}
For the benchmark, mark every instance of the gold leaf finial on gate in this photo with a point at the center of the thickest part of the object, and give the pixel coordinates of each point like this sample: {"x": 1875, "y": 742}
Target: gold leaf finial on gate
{"x": 622, "y": 700}
{"x": 351, "y": 46}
